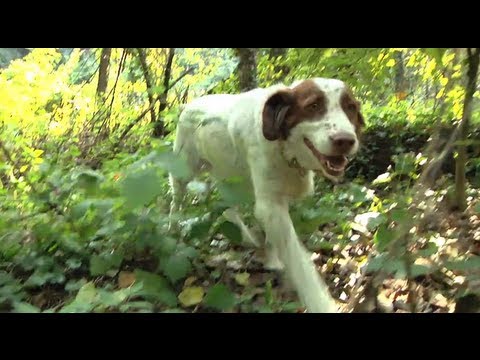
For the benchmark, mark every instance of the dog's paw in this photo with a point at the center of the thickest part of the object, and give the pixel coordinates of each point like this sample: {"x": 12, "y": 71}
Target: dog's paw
{"x": 272, "y": 262}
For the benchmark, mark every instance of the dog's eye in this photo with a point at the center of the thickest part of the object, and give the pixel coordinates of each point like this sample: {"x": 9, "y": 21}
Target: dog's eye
{"x": 314, "y": 106}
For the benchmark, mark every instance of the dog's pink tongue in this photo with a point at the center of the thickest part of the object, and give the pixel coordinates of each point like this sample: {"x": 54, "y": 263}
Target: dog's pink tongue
{"x": 338, "y": 161}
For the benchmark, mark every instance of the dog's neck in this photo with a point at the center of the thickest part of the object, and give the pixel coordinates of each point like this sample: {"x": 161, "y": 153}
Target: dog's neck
{"x": 292, "y": 163}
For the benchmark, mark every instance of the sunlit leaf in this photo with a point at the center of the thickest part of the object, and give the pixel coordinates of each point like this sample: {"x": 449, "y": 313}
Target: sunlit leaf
{"x": 191, "y": 296}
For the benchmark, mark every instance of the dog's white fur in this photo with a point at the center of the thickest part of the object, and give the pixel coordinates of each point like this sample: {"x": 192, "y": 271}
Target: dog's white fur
{"x": 223, "y": 135}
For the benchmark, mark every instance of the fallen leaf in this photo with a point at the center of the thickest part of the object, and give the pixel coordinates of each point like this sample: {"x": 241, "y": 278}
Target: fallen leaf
{"x": 126, "y": 279}
{"x": 242, "y": 278}
{"x": 440, "y": 301}
{"x": 189, "y": 281}
{"x": 191, "y": 296}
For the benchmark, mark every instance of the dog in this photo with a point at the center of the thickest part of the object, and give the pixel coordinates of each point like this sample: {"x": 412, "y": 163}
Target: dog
{"x": 277, "y": 138}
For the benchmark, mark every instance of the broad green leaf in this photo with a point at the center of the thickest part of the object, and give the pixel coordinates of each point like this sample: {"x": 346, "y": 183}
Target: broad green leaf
{"x": 400, "y": 215}
{"x": 155, "y": 287}
{"x": 73, "y": 263}
{"x": 24, "y": 307}
{"x": 176, "y": 267}
{"x": 99, "y": 265}
{"x": 419, "y": 270}
{"x": 141, "y": 306}
{"x": 235, "y": 192}
{"x": 200, "y": 229}
{"x": 85, "y": 301}
{"x": 231, "y": 231}
{"x": 404, "y": 163}
{"x": 382, "y": 237}
{"x": 429, "y": 250}
{"x": 173, "y": 164}
{"x": 141, "y": 187}
{"x": 472, "y": 263}
{"x": 220, "y": 298}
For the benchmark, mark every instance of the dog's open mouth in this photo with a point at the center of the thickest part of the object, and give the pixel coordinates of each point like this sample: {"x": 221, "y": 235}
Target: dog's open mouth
{"x": 333, "y": 165}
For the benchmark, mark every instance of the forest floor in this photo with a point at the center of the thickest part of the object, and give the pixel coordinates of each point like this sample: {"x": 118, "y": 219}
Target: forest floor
{"x": 246, "y": 287}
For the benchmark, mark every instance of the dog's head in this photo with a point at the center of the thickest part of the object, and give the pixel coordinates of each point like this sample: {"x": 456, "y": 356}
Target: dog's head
{"x": 319, "y": 122}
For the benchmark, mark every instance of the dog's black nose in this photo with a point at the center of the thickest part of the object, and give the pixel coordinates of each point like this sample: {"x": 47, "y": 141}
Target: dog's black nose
{"x": 342, "y": 142}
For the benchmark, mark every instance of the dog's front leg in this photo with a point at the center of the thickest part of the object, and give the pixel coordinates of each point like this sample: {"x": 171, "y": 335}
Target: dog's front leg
{"x": 273, "y": 213}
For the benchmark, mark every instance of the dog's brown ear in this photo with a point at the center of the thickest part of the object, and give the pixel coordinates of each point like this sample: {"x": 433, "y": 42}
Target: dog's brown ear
{"x": 274, "y": 114}
{"x": 361, "y": 120}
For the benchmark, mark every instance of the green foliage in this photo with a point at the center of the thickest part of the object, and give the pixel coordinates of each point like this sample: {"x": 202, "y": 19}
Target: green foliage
{"x": 220, "y": 298}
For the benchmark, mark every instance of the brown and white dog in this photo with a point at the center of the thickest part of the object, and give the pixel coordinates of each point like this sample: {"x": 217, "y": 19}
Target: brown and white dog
{"x": 277, "y": 138}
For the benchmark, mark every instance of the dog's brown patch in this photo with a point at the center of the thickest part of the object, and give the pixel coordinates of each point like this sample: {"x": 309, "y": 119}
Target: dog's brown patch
{"x": 351, "y": 107}
{"x": 306, "y": 102}
{"x": 287, "y": 108}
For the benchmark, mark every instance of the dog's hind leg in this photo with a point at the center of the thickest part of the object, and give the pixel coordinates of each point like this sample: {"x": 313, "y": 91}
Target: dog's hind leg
{"x": 178, "y": 191}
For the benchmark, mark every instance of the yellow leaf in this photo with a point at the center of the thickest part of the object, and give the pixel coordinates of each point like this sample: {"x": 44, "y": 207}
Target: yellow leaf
{"x": 191, "y": 296}
{"x": 37, "y": 153}
{"x": 443, "y": 81}
{"x": 390, "y": 63}
{"x": 37, "y": 160}
{"x": 242, "y": 279}
{"x": 126, "y": 279}
{"x": 23, "y": 168}
{"x": 440, "y": 93}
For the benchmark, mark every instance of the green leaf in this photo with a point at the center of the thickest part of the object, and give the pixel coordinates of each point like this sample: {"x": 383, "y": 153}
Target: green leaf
{"x": 142, "y": 306}
{"x": 88, "y": 179}
{"x": 436, "y": 53}
{"x": 231, "y": 231}
{"x": 419, "y": 270}
{"x": 382, "y": 237}
{"x": 167, "y": 245}
{"x": 404, "y": 163}
{"x": 472, "y": 263}
{"x": 73, "y": 263}
{"x": 141, "y": 188}
{"x": 235, "y": 191}
{"x": 156, "y": 89}
{"x": 155, "y": 287}
{"x": 400, "y": 215}
{"x": 23, "y": 307}
{"x": 176, "y": 267}
{"x": 269, "y": 293}
{"x": 220, "y": 298}
{"x": 429, "y": 250}
{"x": 99, "y": 265}
{"x": 477, "y": 208}
{"x": 85, "y": 301}
{"x": 200, "y": 230}
{"x": 173, "y": 164}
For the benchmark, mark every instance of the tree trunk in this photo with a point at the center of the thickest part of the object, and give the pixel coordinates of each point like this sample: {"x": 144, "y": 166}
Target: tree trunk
{"x": 247, "y": 68}
{"x": 103, "y": 73}
{"x": 280, "y": 70}
{"x": 400, "y": 80}
{"x": 461, "y": 159}
{"x": 159, "y": 126}
{"x": 142, "y": 57}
